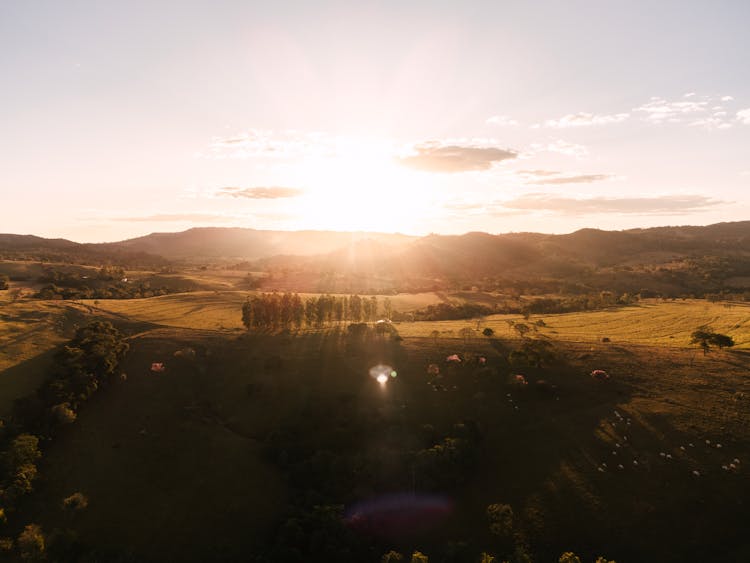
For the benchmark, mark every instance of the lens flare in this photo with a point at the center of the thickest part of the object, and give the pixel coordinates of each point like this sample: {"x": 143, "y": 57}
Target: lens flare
{"x": 382, "y": 373}
{"x": 397, "y": 516}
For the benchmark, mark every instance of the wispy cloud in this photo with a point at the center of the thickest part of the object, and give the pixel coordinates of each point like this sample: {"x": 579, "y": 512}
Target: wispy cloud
{"x": 662, "y": 205}
{"x": 538, "y": 173}
{"x": 273, "y": 192}
{"x": 177, "y": 218}
{"x": 450, "y": 158}
{"x": 575, "y": 179}
{"x": 259, "y": 143}
{"x": 559, "y": 146}
{"x": 744, "y": 116}
{"x": 696, "y": 111}
{"x": 583, "y": 119}
{"x": 502, "y": 121}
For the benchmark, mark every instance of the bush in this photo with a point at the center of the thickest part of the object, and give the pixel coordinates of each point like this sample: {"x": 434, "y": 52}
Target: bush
{"x": 500, "y": 517}
{"x": 488, "y": 332}
{"x": 63, "y": 414}
{"x": 75, "y": 502}
{"x": 31, "y": 545}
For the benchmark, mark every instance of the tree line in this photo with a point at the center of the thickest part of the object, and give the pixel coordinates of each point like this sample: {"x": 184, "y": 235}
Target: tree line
{"x": 274, "y": 311}
{"x": 82, "y": 366}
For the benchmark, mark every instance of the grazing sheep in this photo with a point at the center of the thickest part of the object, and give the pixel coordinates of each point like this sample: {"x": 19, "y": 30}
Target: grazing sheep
{"x": 697, "y": 473}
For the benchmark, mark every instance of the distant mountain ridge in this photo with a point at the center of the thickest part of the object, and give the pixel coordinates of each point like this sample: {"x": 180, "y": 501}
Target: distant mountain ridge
{"x": 666, "y": 257}
{"x": 247, "y": 244}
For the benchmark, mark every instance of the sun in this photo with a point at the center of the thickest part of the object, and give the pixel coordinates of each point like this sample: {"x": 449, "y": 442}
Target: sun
{"x": 360, "y": 186}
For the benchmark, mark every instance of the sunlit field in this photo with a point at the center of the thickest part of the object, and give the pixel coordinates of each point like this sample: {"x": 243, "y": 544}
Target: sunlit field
{"x": 204, "y": 426}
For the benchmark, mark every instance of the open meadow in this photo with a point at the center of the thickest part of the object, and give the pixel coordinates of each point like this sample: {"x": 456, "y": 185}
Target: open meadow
{"x": 219, "y": 455}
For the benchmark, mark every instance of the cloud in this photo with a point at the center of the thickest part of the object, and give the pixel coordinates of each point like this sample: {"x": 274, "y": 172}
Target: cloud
{"x": 502, "y": 120}
{"x": 177, "y": 218}
{"x": 273, "y": 192}
{"x": 260, "y": 143}
{"x": 462, "y": 209}
{"x": 561, "y": 147}
{"x": 744, "y": 116}
{"x": 696, "y": 111}
{"x": 539, "y": 172}
{"x": 436, "y": 157}
{"x": 583, "y": 119}
{"x": 662, "y": 205}
{"x": 659, "y": 109}
{"x": 578, "y": 179}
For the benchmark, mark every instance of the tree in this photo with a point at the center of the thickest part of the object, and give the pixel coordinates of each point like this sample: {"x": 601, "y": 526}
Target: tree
{"x": 75, "y": 502}
{"x": 521, "y": 329}
{"x": 419, "y": 557}
{"x": 569, "y": 557}
{"x": 63, "y": 413}
{"x": 31, "y": 543}
{"x": 488, "y": 332}
{"x": 466, "y": 333}
{"x": 23, "y": 450}
{"x": 705, "y": 337}
{"x": 392, "y": 557}
{"x": 435, "y": 334}
{"x": 387, "y": 308}
{"x": 500, "y": 518}
{"x": 3, "y": 281}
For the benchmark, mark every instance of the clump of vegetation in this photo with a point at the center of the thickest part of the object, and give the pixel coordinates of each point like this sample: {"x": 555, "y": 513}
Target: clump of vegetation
{"x": 705, "y": 337}
{"x": 274, "y": 311}
{"x": 75, "y": 502}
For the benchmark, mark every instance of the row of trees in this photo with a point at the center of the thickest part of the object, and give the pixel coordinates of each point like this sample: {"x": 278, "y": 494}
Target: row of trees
{"x": 274, "y": 311}
{"x": 542, "y": 305}
{"x": 88, "y": 361}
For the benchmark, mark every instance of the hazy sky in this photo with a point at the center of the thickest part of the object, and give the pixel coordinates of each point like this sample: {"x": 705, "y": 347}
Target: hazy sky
{"x": 122, "y": 118}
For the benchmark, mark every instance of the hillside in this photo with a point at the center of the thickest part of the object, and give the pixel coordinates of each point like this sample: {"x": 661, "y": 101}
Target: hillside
{"x": 253, "y": 443}
{"x": 670, "y": 261}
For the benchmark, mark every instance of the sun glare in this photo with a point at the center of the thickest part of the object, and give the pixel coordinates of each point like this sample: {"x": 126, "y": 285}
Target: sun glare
{"x": 361, "y": 186}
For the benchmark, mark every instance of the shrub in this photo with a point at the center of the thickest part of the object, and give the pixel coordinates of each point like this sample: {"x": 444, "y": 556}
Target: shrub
{"x": 75, "y": 502}
{"x": 63, "y": 414}
{"x": 31, "y": 545}
{"x": 500, "y": 518}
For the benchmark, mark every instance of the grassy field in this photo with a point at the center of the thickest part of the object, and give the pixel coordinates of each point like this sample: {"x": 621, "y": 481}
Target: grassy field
{"x": 215, "y": 310}
{"x": 29, "y": 332}
{"x": 174, "y": 467}
{"x": 648, "y": 323}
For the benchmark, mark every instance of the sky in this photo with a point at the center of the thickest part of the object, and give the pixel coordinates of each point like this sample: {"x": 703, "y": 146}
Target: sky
{"x": 118, "y": 119}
